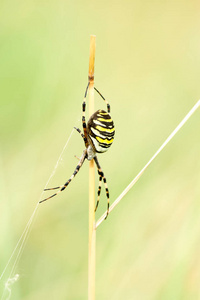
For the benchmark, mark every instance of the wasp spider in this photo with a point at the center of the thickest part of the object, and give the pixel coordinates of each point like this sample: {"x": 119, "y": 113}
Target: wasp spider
{"x": 98, "y": 136}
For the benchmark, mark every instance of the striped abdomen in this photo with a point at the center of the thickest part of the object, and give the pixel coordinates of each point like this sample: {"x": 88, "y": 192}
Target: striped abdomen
{"x": 101, "y": 131}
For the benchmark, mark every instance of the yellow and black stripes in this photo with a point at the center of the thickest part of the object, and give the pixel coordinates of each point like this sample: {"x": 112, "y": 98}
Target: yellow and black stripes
{"x": 101, "y": 176}
{"x": 105, "y": 143}
{"x": 98, "y": 136}
{"x": 101, "y": 131}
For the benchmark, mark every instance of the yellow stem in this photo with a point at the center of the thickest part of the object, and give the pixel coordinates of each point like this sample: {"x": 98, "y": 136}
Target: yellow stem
{"x": 92, "y": 229}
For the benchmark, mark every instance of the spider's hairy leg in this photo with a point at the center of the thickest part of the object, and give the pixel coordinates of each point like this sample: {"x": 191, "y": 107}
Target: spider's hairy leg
{"x": 101, "y": 175}
{"x": 83, "y": 115}
{"x": 108, "y": 105}
{"x": 63, "y": 187}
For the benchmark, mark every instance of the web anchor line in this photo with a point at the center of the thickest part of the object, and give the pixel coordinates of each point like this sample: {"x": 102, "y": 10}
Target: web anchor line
{"x": 18, "y": 250}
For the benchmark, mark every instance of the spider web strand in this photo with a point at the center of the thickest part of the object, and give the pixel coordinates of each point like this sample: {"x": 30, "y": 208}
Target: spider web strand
{"x": 23, "y": 238}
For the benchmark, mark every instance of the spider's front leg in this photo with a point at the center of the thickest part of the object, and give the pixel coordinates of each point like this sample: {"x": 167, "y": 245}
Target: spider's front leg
{"x": 108, "y": 105}
{"x": 83, "y": 116}
{"x": 63, "y": 187}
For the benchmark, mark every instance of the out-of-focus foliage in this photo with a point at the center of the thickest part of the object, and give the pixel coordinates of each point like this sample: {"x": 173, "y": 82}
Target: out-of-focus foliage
{"x": 148, "y": 67}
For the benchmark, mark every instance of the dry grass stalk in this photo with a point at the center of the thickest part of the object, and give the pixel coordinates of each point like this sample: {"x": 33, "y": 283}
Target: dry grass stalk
{"x": 92, "y": 229}
{"x": 185, "y": 119}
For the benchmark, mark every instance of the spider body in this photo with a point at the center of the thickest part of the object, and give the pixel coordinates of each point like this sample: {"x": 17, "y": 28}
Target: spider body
{"x": 98, "y": 136}
{"x": 100, "y": 133}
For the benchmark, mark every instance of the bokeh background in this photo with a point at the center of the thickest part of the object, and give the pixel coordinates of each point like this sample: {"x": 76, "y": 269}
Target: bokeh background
{"x": 148, "y": 67}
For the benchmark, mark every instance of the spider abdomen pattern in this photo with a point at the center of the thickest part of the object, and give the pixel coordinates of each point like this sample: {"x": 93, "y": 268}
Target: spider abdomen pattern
{"x": 100, "y": 131}
{"x": 98, "y": 136}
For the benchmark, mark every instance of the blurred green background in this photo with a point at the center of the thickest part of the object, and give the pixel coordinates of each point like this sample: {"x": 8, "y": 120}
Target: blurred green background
{"x": 148, "y": 67}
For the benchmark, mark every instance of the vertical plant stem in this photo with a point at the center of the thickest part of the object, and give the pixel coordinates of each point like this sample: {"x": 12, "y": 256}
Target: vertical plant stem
{"x": 92, "y": 229}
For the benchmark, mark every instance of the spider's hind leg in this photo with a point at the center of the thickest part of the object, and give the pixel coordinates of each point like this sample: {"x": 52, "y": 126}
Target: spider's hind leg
{"x": 99, "y": 191}
{"x": 101, "y": 176}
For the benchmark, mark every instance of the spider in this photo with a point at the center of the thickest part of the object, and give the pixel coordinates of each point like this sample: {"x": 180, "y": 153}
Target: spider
{"x": 98, "y": 136}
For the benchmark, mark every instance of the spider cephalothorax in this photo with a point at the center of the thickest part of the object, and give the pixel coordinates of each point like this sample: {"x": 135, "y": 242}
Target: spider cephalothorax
{"x": 98, "y": 136}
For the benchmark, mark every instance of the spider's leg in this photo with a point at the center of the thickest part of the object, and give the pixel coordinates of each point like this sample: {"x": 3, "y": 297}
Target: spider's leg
{"x": 101, "y": 175}
{"x": 83, "y": 136}
{"x": 108, "y": 105}
{"x": 99, "y": 192}
{"x": 77, "y": 157}
{"x": 83, "y": 116}
{"x": 63, "y": 187}
{"x": 55, "y": 188}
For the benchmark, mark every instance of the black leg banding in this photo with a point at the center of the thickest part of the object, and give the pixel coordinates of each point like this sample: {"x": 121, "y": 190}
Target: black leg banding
{"x": 101, "y": 175}
{"x": 62, "y": 188}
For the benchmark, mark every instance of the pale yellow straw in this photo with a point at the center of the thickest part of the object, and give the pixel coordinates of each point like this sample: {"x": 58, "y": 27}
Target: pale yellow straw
{"x": 149, "y": 162}
{"x": 92, "y": 229}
